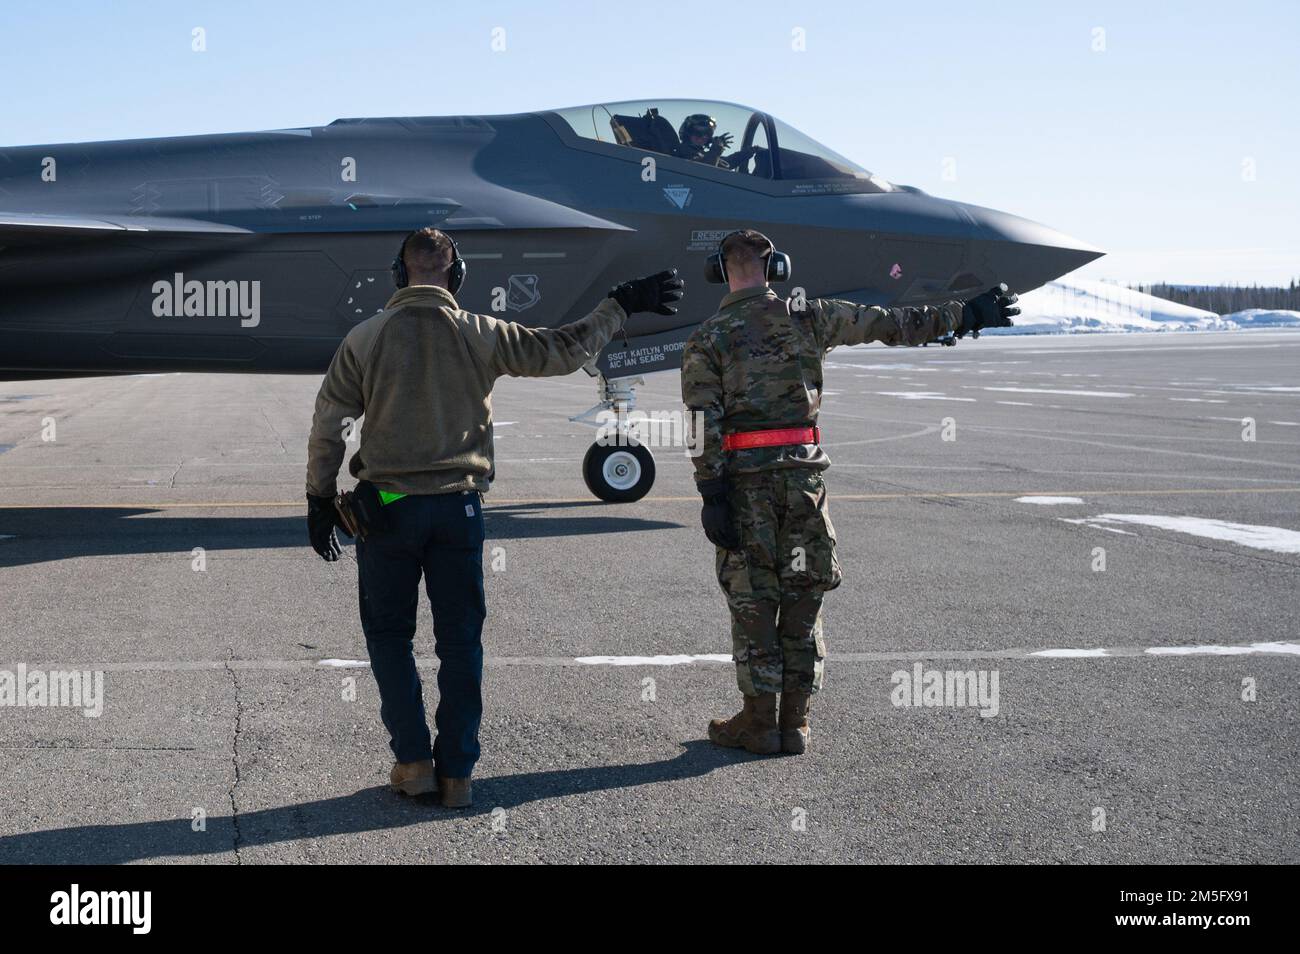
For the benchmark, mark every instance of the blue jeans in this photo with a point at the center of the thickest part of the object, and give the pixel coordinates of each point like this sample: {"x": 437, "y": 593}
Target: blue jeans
{"x": 441, "y": 536}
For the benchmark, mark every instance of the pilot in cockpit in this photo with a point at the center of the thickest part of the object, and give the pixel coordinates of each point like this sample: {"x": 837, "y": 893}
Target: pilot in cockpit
{"x": 698, "y": 143}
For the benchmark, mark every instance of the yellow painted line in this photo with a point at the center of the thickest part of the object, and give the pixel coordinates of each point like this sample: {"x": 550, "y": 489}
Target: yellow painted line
{"x": 510, "y": 502}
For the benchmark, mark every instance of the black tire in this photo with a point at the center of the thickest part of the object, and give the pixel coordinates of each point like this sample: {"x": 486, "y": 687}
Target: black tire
{"x": 618, "y": 473}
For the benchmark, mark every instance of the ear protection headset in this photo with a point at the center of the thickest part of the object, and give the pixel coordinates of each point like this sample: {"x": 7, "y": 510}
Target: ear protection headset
{"x": 778, "y": 263}
{"x": 455, "y": 276}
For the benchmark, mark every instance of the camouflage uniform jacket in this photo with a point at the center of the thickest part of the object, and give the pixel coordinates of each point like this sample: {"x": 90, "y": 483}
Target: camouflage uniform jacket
{"x": 757, "y": 365}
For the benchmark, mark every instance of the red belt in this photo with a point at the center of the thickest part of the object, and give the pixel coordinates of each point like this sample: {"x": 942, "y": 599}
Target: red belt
{"x": 772, "y": 438}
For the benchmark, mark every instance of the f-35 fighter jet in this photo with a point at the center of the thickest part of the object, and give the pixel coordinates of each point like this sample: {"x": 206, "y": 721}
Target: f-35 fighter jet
{"x": 259, "y": 251}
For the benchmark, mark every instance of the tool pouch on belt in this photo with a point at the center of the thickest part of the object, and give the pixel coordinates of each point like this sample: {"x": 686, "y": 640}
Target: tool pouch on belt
{"x": 359, "y": 511}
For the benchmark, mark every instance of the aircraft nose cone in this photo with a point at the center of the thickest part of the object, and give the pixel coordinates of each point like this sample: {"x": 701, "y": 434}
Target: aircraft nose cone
{"x": 1022, "y": 253}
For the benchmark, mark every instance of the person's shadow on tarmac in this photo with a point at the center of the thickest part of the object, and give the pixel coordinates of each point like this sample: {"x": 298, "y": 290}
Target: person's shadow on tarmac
{"x": 51, "y": 534}
{"x": 371, "y": 809}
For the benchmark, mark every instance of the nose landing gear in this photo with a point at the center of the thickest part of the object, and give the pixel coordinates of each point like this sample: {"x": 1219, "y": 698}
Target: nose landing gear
{"x": 617, "y": 468}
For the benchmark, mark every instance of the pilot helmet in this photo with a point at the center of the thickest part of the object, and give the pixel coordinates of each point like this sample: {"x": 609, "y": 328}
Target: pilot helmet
{"x": 697, "y": 124}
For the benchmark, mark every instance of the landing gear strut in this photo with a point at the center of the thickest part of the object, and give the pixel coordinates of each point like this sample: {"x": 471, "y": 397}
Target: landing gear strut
{"x": 617, "y": 468}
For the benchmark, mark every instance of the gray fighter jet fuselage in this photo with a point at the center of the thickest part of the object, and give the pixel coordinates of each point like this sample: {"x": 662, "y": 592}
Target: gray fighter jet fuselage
{"x": 259, "y": 251}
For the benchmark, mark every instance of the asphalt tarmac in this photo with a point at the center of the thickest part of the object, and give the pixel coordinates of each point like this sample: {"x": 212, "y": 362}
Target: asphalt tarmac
{"x": 239, "y": 723}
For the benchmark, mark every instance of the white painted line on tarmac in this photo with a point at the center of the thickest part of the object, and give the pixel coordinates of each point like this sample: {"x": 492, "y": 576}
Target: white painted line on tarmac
{"x": 266, "y": 665}
{"x": 1114, "y": 394}
{"x": 922, "y": 396}
{"x": 1288, "y": 649}
{"x": 651, "y": 660}
{"x": 1257, "y": 537}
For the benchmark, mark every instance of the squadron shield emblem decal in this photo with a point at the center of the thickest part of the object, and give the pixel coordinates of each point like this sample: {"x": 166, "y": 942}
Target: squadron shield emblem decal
{"x": 522, "y": 292}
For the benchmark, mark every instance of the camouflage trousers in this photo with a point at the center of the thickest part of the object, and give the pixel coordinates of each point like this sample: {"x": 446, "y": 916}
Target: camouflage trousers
{"x": 775, "y": 581}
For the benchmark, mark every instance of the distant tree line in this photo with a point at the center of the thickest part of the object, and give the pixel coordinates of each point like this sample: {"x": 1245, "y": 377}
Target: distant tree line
{"x": 1225, "y": 299}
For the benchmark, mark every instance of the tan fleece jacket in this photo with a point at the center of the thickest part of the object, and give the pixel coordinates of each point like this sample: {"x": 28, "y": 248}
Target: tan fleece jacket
{"x": 422, "y": 372}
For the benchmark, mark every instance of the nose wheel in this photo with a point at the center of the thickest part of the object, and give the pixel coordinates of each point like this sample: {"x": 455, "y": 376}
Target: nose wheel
{"x": 618, "y": 473}
{"x": 617, "y": 468}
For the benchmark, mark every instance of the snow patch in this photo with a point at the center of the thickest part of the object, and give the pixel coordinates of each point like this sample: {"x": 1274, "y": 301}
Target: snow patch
{"x": 1077, "y": 305}
{"x": 1263, "y": 318}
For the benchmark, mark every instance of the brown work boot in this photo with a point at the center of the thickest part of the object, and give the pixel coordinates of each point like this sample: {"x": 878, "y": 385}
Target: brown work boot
{"x": 413, "y": 778}
{"x": 794, "y": 722}
{"x": 753, "y": 728}
{"x": 456, "y": 792}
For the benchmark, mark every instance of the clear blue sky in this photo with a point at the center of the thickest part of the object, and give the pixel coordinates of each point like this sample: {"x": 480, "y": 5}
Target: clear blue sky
{"x": 1138, "y": 149}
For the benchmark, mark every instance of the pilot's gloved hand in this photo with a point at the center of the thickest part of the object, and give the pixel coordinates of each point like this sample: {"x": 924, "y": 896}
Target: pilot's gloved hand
{"x": 320, "y": 527}
{"x": 655, "y": 293}
{"x": 993, "y": 309}
{"x": 716, "y": 515}
{"x": 723, "y": 141}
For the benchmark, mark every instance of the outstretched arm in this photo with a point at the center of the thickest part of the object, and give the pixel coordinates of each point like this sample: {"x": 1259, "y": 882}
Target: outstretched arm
{"x": 844, "y": 323}
{"x": 539, "y": 352}
{"x": 542, "y": 352}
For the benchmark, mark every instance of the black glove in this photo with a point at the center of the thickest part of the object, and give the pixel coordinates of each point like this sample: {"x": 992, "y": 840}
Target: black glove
{"x": 320, "y": 527}
{"x": 716, "y": 515}
{"x": 722, "y": 142}
{"x": 655, "y": 293}
{"x": 993, "y": 309}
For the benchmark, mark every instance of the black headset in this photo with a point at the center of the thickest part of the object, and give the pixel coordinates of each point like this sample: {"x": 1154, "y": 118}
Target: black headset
{"x": 778, "y": 263}
{"x": 455, "y": 276}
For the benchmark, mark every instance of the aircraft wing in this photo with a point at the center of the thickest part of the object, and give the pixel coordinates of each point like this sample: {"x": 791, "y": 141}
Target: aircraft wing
{"x": 477, "y": 205}
{"x": 34, "y": 227}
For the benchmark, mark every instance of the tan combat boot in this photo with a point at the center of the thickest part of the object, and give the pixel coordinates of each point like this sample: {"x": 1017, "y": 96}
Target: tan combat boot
{"x": 753, "y": 728}
{"x": 413, "y": 778}
{"x": 456, "y": 792}
{"x": 794, "y": 722}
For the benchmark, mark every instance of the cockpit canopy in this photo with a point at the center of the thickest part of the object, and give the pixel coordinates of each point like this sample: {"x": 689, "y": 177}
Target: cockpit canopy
{"x": 725, "y": 136}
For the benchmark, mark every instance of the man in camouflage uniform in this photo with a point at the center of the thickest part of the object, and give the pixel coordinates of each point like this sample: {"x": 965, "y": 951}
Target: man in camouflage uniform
{"x": 752, "y": 378}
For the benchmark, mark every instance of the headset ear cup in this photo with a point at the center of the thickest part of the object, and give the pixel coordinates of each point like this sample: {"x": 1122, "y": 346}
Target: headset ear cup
{"x": 714, "y": 270}
{"x": 459, "y": 267}
{"x": 456, "y": 277}
{"x": 778, "y": 267}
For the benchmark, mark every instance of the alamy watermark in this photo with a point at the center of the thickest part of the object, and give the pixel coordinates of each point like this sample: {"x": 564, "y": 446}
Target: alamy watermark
{"x": 178, "y": 298}
{"x": 24, "y": 688}
{"x": 948, "y": 688}
{"x": 667, "y": 429}
{"x": 130, "y": 908}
